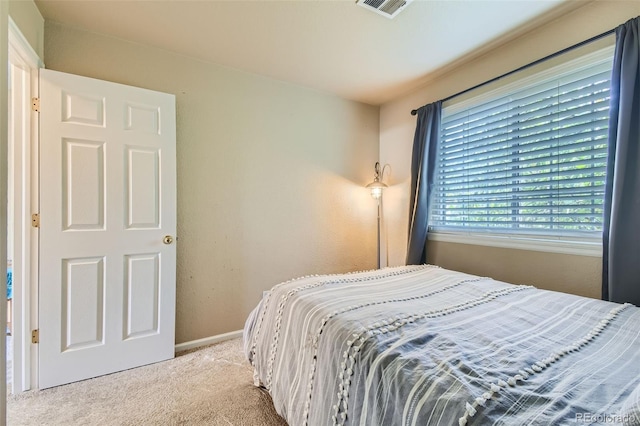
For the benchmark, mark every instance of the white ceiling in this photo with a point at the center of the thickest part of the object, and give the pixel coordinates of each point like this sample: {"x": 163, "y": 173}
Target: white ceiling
{"x": 334, "y": 46}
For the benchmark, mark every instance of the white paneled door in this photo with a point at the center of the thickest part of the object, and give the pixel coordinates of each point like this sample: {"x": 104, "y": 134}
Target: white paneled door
{"x": 107, "y": 228}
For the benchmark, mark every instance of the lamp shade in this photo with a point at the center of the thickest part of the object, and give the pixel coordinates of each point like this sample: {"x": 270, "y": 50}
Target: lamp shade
{"x": 376, "y": 188}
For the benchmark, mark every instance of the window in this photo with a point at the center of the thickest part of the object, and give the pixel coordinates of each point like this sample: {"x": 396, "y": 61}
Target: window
{"x": 528, "y": 158}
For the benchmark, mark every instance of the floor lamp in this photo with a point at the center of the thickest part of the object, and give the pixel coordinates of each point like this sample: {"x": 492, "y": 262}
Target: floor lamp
{"x": 376, "y": 188}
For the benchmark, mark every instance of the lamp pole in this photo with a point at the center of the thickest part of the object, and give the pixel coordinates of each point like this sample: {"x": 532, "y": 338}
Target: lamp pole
{"x": 376, "y": 188}
{"x": 379, "y": 221}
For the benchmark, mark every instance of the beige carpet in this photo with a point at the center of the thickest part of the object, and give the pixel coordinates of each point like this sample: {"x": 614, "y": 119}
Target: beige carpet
{"x": 206, "y": 386}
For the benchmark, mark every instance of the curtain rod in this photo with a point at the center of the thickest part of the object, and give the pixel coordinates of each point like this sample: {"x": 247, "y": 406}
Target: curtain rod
{"x": 536, "y": 62}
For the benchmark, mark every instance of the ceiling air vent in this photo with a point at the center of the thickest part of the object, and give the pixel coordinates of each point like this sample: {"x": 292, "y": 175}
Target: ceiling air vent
{"x": 388, "y": 8}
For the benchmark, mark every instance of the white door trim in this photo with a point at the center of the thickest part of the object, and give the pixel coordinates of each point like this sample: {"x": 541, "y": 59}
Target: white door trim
{"x": 19, "y": 43}
{"x": 25, "y": 263}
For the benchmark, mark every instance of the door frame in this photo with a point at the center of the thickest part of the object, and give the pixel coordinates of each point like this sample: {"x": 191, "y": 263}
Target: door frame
{"x": 26, "y": 197}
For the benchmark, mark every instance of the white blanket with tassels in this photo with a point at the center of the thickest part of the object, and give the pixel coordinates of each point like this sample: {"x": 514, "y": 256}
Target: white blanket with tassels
{"x": 420, "y": 345}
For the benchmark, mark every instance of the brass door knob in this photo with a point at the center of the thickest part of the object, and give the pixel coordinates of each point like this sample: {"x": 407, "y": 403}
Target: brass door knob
{"x": 168, "y": 239}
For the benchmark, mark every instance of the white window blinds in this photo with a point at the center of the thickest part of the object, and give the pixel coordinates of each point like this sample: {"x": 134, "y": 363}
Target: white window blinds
{"x": 529, "y": 158}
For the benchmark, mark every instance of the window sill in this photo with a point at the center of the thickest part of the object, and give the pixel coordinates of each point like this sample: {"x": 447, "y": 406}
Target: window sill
{"x": 590, "y": 247}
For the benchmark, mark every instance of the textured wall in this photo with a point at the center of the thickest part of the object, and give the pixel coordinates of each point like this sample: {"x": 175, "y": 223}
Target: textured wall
{"x": 270, "y": 175}
{"x": 396, "y": 137}
{"x": 552, "y": 271}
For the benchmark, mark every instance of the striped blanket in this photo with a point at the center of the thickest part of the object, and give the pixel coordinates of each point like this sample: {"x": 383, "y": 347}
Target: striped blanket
{"x": 421, "y": 345}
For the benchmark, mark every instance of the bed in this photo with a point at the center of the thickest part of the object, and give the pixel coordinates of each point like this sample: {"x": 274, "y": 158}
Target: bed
{"x": 422, "y": 345}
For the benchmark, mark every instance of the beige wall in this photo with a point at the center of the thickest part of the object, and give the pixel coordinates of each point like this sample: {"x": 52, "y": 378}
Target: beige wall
{"x": 270, "y": 175}
{"x": 31, "y": 23}
{"x": 396, "y": 136}
{"x": 561, "y": 272}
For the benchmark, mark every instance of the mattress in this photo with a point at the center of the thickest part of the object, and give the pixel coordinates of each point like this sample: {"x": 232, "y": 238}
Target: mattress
{"x": 421, "y": 345}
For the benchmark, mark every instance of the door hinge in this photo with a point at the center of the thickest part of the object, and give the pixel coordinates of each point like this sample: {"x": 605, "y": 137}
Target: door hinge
{"x": 35, "y": 336}
{"x": 35, "y": 220}
{"x": 35, "y": 104}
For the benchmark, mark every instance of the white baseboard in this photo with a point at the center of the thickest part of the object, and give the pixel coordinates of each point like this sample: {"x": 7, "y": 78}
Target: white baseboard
{"x": 208, "y": 340}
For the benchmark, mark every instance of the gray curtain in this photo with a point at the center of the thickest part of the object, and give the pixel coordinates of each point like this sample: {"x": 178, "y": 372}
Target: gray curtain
{"x": 621, "y": 230}
{"x": 423, "y": 164}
